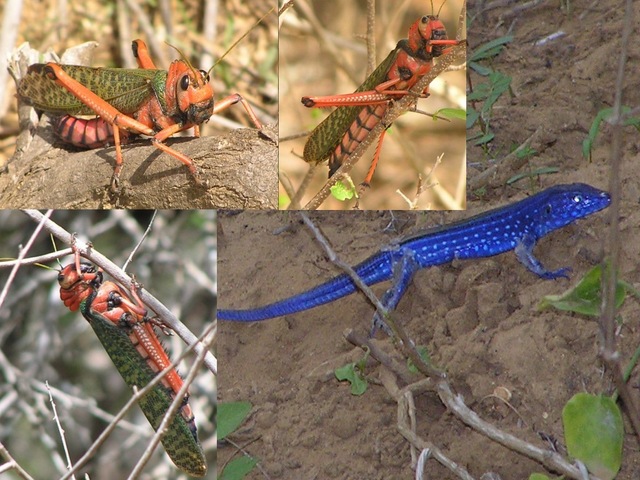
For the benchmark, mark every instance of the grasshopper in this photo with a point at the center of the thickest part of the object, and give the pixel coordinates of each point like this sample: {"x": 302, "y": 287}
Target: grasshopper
{"x": 126, "y": 332}
{"x": 127, "y": 102}
{"x": 341, "y": 132}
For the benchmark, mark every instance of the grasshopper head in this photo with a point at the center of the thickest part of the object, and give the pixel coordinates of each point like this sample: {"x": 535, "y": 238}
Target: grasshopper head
{"x": 423, "y": 31}
{"x": 76, "y": 286}
{"x": 191, "y": 91}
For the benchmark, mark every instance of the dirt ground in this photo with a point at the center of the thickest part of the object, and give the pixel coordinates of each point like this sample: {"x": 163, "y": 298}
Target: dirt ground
{"x": 477, "y": 318}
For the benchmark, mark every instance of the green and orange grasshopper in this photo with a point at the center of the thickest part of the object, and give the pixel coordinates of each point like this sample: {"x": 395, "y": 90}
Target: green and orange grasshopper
{"x": 127, "y": 333}
{"x": 144, "y": 101}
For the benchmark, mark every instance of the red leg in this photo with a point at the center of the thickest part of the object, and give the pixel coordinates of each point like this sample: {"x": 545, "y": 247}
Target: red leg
{"x": 374, "y": 162}
{"x": 141, "y": 53}
{"x": 232, "y": 100}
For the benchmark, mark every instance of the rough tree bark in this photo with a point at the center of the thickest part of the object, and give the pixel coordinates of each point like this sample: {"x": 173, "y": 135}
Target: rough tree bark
{"x": 240, "y": 169}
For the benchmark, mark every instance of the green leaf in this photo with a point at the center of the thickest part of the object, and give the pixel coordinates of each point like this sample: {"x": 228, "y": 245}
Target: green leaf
{"x": 354, "y": 376}
{"x": 453, "y": 113}
{"x": 424, "y": 355}
{"x": 484, "y": 139}
{"x": 283, "y": 201}
{"x": 490, "y": 49}
{"x": 480, "y": 69}
{"x": 585, "y": 298}
{"x": 472, "y": 117}
{"x": 343, "y": 192}
{"x": 537, "y": 172}
{"x": 603, "y": 115}
{"x": 230, "y": 416}
{"x": 238, "y": 468}
{"x": 594, "y": 432}
{"x": 538, "y": 476}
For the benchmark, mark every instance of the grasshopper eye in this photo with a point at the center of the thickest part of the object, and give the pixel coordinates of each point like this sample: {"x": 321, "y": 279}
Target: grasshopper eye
{"x": 184, "y": 82}
{"x": 205, "y": 75}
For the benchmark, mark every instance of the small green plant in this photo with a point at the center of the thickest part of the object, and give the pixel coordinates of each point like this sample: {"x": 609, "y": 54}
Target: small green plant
{"x": 230, "y": 416}
{"x": 486, "y": 93}
{"x": 354, "y": 374}
{"x": 602, "y": 116}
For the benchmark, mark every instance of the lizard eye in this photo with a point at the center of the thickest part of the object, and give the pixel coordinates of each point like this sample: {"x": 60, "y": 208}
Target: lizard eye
{"x": 577, "y": 199}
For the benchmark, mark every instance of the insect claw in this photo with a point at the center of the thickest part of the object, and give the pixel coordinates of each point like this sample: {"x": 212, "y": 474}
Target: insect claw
{"x": 115, "y": 184}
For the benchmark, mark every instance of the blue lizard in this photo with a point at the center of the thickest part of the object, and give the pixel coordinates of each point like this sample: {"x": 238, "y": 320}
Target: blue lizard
{"x": 517, "y": 226}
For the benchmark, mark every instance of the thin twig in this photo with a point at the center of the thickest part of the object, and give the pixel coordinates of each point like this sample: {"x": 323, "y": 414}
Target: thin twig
{"x": 60, "y": 429}
{"x": 23, "y": 252}
{"x": 139, "y": 243}
{"x": 608, "y": 349}
{"x": 12, "y": 464}
{"x": 548, "y": 458}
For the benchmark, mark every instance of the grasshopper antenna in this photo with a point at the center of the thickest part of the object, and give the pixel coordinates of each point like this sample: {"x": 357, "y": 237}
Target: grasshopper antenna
{"x": 240, "y": 39}
{"x": 440, "y": 9}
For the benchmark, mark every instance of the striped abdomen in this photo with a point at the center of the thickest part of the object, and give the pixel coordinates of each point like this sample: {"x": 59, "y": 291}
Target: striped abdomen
{"x": 86, "y": 133}
{"x": 366, "y": 121}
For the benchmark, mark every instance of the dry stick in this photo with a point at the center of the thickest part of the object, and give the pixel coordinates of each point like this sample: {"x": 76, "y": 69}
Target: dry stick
{"x": 608, "y": 350}
{"x": 60, "y": 429}
{"x": 139, "y": 244}
{"x": 406, "y": 345}
{"x": 22, "y": 254}
{"x": 371, "y": 40}
{"x": 112, "y": 269}
{"x": 360, "y": 340}
{"x": 407, "y": 423}
{"x": 295, "y": 196}
{"x": 548, "y": 458}
{"x": 89, "y": 405}
{"x": 458, "y": 53}
{"x": 46, "y": 258}
{"x": 12, "y": 464}
{"x": 134, "y": 399}
{"x": 285, "y": 7}
{"x": 405, "y": 403}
